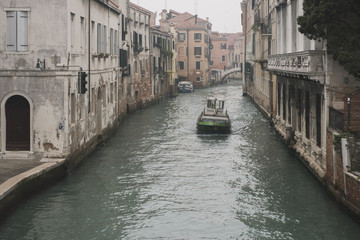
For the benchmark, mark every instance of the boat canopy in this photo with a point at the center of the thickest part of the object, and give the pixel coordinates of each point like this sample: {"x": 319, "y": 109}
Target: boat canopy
{"x": 214, "y": 106}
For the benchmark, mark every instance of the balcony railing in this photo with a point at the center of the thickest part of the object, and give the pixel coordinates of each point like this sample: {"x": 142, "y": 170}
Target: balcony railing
{"x": 309, "y": 63}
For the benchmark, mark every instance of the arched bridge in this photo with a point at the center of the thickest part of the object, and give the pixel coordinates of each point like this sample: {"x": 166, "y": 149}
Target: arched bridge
{"x": 228, "y": 72}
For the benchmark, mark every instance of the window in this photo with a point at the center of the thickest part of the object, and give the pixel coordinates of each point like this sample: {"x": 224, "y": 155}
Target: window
{"x": 181, "y": 65}
{"x": 198, "y": 79}
{"x": 72, "y": 28}
{"x": 135, "y": 41}
{"x": 92, "y": 41}
{"x": 223, "y": 46}
{"x": 17, "y": 31}
{"x": 111, "y": 41}
{"x": 223, "y": 58}
{"x": 197, "y": 65}
{"x": 136, "y": 69}
{"x": 82, "y": 32}
{"x": 123, "y": 28}
{"x": 99, "y": 38}
{"x": 116, "y": 42}
{"x": 181, "y": 37}
{"x": 197, "y": 51}
{"x": 104, "y": 40}
{"x": 154, "y": 66}
{"x": 123, "y": 58}
{"x": 140, "y": 40}
{"x": 197, "y": 37}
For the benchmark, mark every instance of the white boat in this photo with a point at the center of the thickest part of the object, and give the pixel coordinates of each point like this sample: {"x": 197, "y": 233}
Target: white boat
{"x": 185, "y": 87}
{"x": 214, "y": 118}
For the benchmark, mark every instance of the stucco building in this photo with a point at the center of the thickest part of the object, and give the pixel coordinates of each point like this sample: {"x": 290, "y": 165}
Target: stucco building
{"x": 42, "y": 111}
{"x": 305, "y": 92}
{"x": 140, "y": 85}
{"x": 192, "y": 46}
{"x": 162, "y": 54}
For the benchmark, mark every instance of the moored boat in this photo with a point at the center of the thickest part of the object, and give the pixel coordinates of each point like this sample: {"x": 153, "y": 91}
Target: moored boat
{"x": 185, "y": 87}
{"x": 214, "y": 118}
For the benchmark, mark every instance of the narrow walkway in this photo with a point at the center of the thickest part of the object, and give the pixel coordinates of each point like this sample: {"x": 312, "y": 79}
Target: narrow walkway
{"x": 12, "y": 167}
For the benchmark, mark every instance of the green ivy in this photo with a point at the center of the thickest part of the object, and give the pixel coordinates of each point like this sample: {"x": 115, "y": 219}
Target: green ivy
{"x": 336, "y": 21}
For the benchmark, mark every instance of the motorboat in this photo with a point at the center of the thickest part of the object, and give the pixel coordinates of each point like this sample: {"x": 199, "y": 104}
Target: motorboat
{"x": 185, "y": 87}
{"x": 214, "y": 118}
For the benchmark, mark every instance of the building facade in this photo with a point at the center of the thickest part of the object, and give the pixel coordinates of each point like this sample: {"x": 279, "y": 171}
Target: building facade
{"x": 140, "y": 85}
{"x": 42, "y": 109}
{"x": 304, "y": 91}
{"x": 161, "y": 60}
{"x": 193, "y": 42}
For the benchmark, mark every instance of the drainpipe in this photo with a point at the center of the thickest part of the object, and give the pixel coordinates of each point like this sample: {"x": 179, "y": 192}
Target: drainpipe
{"x": 244, "y": 6}
{"x": 89, "y": 52}
{"x": 149, "y": 62}
{"x": 187, "y": 54}
{"x": 349, "y": 112}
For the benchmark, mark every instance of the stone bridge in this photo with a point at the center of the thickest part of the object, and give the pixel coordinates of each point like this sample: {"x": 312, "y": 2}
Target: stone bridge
{"x": 226, "y": 73}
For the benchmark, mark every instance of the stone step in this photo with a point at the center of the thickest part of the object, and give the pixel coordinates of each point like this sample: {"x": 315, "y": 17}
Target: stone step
{"x": 16, "y": 155}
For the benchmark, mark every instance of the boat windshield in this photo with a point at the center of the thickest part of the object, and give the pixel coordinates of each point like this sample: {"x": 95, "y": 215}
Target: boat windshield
{"x": 221, "y": 104}
{"x": 211, "y": 103}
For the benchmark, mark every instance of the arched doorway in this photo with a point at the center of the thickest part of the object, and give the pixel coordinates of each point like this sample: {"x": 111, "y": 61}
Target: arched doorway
{"x": 17, "y": 114}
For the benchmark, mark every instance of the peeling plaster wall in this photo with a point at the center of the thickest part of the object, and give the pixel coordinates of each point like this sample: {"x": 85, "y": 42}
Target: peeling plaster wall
{"x": 60, "y": 121}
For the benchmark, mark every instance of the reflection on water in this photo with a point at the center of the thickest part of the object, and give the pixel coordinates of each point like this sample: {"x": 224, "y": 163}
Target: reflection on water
{"x": 158, "y": 179}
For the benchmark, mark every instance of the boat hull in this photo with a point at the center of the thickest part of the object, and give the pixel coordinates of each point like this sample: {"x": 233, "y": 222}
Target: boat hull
{"x": 206, "y": 124}
{"x": 213, "y": 129}
{"x": 185, "y": 90}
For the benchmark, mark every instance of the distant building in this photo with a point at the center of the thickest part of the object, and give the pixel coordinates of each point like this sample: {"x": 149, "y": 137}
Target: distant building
{"x": 192, "y": 46}
{"x": 223, "y": 54}
{"x": 162, "y": 54}
{"x": 140, "y": 85}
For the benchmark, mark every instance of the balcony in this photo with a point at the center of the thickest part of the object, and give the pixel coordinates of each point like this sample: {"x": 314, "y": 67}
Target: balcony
{"x": 308, "y": 64}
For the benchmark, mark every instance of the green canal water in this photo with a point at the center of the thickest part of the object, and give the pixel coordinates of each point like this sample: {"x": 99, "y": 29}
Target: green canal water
{"x": 156, "y": 178}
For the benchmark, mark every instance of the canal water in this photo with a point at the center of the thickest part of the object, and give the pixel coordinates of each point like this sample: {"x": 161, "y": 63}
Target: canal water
{"x": 156, "y": 178}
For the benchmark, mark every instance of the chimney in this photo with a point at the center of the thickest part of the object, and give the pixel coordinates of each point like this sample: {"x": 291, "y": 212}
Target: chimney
{"x": 163, "y": 15}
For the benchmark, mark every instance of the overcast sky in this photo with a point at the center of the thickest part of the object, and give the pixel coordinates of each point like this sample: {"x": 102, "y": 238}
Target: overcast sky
{"x": 223, "y": 14}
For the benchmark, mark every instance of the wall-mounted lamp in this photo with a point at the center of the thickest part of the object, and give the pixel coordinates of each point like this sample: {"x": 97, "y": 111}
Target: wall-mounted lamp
{"x": 40, "y": 65}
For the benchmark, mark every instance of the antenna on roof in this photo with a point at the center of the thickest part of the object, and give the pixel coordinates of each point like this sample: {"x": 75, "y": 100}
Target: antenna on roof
{"x": 166, "y": 4}
{"x": 196, "y": 6}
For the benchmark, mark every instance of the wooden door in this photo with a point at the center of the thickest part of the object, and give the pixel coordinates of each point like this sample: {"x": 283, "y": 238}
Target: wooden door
{"x": 17, "y": 113}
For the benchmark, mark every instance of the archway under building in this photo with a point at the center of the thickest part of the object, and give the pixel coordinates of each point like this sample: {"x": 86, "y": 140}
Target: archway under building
{"x": 17, "y": 126}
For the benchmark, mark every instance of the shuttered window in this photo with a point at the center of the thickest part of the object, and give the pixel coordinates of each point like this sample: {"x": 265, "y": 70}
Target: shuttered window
{"x": 17, "y": 31}
{"x": 105, "y": 41}
{"x": 99, "y": 28}
{"x": 72, "y": 29}
{"x": 82, "y": 33}
{"x": 116, "y": 42}
{"x": 111, "y": 41}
